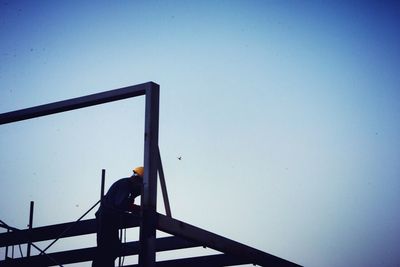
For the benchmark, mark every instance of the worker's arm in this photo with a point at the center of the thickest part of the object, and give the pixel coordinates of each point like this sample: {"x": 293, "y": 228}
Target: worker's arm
{"x": 136, "y": 191}
{"x": 134, "y": 208}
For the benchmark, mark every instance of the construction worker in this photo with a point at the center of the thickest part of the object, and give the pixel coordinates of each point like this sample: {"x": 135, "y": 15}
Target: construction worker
{"x": 119, "y": 200}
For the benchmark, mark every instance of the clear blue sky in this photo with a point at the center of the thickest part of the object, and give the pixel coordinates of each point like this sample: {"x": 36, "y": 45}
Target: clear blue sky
{"x": 286, "y": 115}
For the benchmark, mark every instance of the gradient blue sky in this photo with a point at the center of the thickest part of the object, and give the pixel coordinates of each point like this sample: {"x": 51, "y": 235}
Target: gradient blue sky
{"x": 286, "y": 115}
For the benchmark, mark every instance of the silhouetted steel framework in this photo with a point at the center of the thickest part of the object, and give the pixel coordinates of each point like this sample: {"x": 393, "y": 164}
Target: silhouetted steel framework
{"x": 183, "y": 235}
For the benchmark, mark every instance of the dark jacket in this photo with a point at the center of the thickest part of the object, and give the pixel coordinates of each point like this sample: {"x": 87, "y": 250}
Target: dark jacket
{"x": 121, "y": 195}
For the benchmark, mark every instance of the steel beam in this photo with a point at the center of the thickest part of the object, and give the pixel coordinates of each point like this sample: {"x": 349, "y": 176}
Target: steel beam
{"x": 30, "y": 225}
{"x": 47, "y": 232}
{"x": 218, "y": 260}
{"x": 147, "y": 234}
{"x": 6, "y": 255}
{"x": 75, "y": 103}
{"x": 52, "y": 259}
{"x": 87, "y": 254}
{"x": 220, "y": 243}
{"x": 103, "y": 180}
{"x": 53, "y": 231}
{"x": 163, "y": 186}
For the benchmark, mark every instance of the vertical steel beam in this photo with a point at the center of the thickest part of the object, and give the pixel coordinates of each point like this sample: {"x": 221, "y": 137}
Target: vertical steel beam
{"x": 28, "y": 249}
{"x": 6, "y": 256}
{"x": 147, "y": 235}
{"x": 103, "y": 179}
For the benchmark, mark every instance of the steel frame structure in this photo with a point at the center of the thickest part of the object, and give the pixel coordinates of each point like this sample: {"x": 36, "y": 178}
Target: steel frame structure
{"x": 183, "y": 235}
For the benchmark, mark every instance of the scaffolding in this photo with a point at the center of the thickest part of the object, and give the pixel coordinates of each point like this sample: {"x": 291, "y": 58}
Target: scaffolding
{"x": 183, "y": 235}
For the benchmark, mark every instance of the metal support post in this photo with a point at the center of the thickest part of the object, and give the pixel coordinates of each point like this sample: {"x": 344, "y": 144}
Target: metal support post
{"x": 103, "y": 179}
{"x": 6, "y": 256}
{"x": 147, "y": 236}
{"x": 28, "y": 249}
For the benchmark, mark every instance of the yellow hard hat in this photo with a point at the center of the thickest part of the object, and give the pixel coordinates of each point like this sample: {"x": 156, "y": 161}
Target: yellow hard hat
{"x": 139, "y": 171}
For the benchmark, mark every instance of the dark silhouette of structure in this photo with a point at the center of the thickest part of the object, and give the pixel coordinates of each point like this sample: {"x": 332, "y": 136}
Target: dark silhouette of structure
{"x": 183, "y": 234}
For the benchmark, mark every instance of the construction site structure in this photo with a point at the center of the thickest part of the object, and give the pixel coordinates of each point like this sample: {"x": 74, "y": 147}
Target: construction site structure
{"x": 183, "y": 235}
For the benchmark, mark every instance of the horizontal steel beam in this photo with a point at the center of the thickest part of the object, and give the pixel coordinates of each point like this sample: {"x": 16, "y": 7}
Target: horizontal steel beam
{"x": 209, "y": 261}
{"x": 217, "y": 242}
{"x": 52, "y": 259}
{"x": 75, "y": 103}
{"x": 58, "y": 230}
{"x": 47, "y": 232}
{"x": 87, "y": 254}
